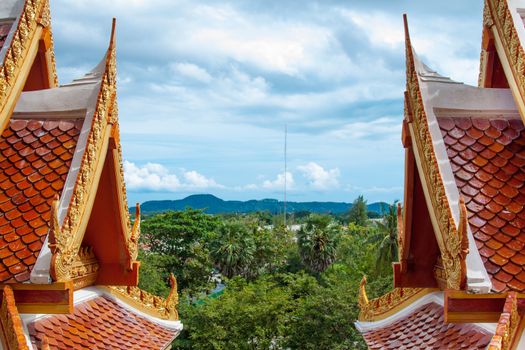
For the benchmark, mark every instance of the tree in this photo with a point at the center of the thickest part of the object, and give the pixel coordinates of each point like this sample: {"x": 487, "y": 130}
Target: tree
{"x": 358, "y": 213}
{"x": 178, "y": 239}
{"x": 317, "y": 242}
{"x": 385, "y": 240}
{"x": 233, "y": 248}
{"x": 248, "y": 315}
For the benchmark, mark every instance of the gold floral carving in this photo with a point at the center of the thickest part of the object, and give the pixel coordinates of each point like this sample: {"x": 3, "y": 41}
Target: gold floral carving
{"x": 19, "y": 47}
{"x": 451, "y": 252}
{"x": 372, "y": 310}
{"x": 133, "y": 242}
{"x": 132, "y": 236}
{"x": 149, "y": 303}
{"x": 81, "y": 266}
{"x": 498, "y": 13}
{"x": 10, "y": 322}
{"x": 65, "y": 243}
{"x": 84, "y": 269}
{"x": 507, "y": 324}
{"x": 400, "y": 236}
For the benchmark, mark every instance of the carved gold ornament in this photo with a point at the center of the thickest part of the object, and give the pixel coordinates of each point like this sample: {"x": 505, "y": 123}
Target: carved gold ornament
{"x": 34, "y": 13}
{"x": 507, "y": 324}
{"x": 151, "y": 304}
{"x": 372, "y": 310}
{"x": 65, "y": 243}
{"x": 10, "y": 322}
{"x": 452, "y": 254}
{"x": 497, "y": 13}
{"x": 400, "y": 235}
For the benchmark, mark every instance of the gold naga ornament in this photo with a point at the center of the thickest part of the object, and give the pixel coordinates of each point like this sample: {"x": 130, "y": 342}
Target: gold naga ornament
{"x": 383, "y": 306}
{"x": 149, "y": 303}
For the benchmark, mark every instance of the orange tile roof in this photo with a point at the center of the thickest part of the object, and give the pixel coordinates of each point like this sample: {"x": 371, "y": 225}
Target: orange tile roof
{"x": 425, "y": 329}
{"x": 35, "y": 156}
{"x": 100, "y": 323}
{"x": 487, "y": 156}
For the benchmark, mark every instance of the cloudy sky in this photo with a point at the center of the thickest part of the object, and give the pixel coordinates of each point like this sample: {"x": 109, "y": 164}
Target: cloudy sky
{"x": 207, "y": 87}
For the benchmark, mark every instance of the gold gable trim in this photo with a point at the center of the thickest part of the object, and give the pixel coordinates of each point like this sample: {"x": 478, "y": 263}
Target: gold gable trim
{"x": 498, "y": 18}
{"x": 386, "y": 305}
{"x": 506, "y": 330}
{"x": 451, "y": 241}
{"x": 65, "y": 240}
{"x": 34, "y": 18}
{"x": 11, "y": 330}
{"x": 148, "y": 303}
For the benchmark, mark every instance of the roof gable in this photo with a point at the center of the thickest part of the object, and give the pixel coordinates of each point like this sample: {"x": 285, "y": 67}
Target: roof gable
{"x": 99, "y": 181}
{"x": 29, "y": 41}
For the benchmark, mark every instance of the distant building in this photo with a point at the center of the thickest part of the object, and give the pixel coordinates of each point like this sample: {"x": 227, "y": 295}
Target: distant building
{"x": 460, "y": 278}
{"x": 68, "y": 268}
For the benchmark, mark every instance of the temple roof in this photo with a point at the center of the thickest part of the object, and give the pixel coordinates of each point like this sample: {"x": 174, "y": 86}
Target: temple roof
{"x": 35, "y": 156}
{"x": 487, "y": 156}
{"x": 424, "y": 328}
{"x": 102, "y": 319}
{"x": 100, "y": 323}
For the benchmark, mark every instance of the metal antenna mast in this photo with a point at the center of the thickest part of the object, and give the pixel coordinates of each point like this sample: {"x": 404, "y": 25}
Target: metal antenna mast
{"x": 285, "y": 171}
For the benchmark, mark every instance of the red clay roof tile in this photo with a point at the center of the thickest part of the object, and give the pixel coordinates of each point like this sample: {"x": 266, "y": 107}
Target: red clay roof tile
{"x": 100, "y": 323}
{"x": 29, "y": 177}
{"x": 496, "y": 212}
{"x": 425, "y": 329}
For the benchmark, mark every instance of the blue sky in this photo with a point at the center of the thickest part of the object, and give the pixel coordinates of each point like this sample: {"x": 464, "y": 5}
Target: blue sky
{"x": 206, "y": 88}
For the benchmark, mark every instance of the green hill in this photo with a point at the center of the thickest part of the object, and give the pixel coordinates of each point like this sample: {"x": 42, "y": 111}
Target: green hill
{"x": 215, "y": 205}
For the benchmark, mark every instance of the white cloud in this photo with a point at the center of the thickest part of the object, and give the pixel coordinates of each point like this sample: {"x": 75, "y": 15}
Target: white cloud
{"x": 156, "y": 177}
{"x": 193, "y": 71}
{"x": 196, "y": 180}
{"x": 278, "y": 182}
{"x": 320, "y": 178}
{"x": 380, "y": 28}
{"x": 377, "y": 128}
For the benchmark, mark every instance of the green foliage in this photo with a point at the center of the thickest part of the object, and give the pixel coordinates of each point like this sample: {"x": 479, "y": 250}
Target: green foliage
{"x": 244, "y": 248}
{"x": 233, "y": 248}
{"x": 248, "y": 315}
{"x": 358, "y": 213}
{"x": 385, "y": 239}
{"x": 153, "y": 275}
{"x": 178, "y": 241}
{"x": 317, "y": 242}
{"x": 269, "y": 301}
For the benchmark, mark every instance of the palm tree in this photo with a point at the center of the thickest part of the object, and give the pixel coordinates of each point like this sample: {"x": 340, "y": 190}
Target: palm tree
{"x": 386, "y": 239}
{"x": 317, "y": 242}
{"x": 233, "y": 249}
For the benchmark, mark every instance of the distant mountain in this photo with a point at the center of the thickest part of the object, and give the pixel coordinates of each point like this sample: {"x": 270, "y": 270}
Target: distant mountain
{"x": 215, "y": 205}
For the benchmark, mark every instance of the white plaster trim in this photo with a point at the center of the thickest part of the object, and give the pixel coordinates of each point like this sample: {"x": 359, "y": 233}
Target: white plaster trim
{"x": 435, "y": 297}
{"x": 437, "y": 95}
{"x": 86, "y": 294}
